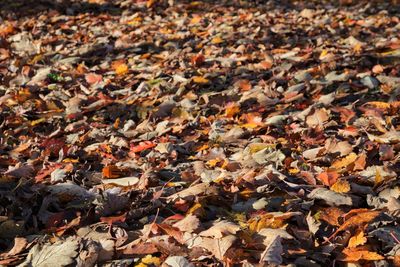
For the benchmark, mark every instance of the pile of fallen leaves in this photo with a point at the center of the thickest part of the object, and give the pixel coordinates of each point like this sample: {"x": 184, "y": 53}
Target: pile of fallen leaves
{"x": 178, "y": 133}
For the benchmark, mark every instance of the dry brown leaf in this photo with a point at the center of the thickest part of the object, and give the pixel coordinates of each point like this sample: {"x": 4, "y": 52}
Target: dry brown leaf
{"x": 331, "y": 215}
{"x": 188, "y": 224}
{"x": 317, "y": 118}
{"x": 218, "y": 246}
{"x": 220, "y": 229}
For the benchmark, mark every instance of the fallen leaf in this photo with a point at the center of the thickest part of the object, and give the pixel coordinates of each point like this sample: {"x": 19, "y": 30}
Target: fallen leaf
{"x": 359, "y": 219}
{"x": 200, "y": 80}
{"x": 357, "y": 240}
{"x": 344, "y": 162}
{"x": 341, "y": 186}
{"x": 61, "y": 253}
{"x": 353, "y": 254}
{"x": 328, "y": 177}
{"x": 92, "y": 78}
{"x": 318, "y": 118}
{"x": 273, "y": 251}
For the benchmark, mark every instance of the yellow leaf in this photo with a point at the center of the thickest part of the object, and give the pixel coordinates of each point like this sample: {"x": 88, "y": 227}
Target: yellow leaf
{"x": 70, "y": 160}
{"x": 36, "y": 122}
{"x": 121, "y": 69}
{"x": 200, "y": 80}
{"x": 197, "y": 209}
{"x": 344, "y": 162}
{"x": 255, "y": 147}
{"x": 195, "y": 20}
{"x": 357, "y": 48}
{"x": 203, "y": 147}
{"x": 294, "y": 171}
{"x": 378, "y": 178}
{"x": 213, "y": 162}
{"x": 379, "y": 104}
{"x": 341, "y": 186}
{"x": 266, "y": 221}
{"x": 391, "y": 53}
{"x": 231, "y": 110}
{"x": 357, "y": 240}
{"x": 323, "y": 53}
{"x": 151, "y": 260}
{"x": 217, "y": 40}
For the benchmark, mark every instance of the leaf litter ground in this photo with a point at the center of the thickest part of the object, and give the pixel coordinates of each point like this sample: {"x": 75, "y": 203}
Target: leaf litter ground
{"x": 177, "y": 133}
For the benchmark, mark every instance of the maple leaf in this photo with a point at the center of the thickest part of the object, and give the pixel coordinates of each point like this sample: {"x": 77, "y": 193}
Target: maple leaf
{"x": 357, "y": 220}
{"x": 357, "y": 240}
{"x": 328, "y": 177}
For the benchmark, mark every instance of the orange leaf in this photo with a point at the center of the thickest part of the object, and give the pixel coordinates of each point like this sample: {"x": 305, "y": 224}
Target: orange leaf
{"x": 112, "y": 172}
{"x": 358, "y": 220}
{"x": 231, "y": 110}
{"x": 120, "y": 67}
{"x": 217, "y": 40}
{"x": 200, "y": 80}
{"x": 142, "y": 146}
{"x": 195, "y": 19}
{"x": 198, "y": 59}
{"x": 150, "y": 3}
{"x": 353, "y": 254}
{"x": 252, "y": 121}
{"x": 6, "y": 29}
{"x": 377, "y": 69}
{"x": 328, "y": 177}
{"x": 357, "y": 240}
{"x": 341, "y": 186}
{"x": 244, "y": 85}
{"x": 379, "y": 104}
{"x": 344, "y": 162}
{"x": 266, "y": 65}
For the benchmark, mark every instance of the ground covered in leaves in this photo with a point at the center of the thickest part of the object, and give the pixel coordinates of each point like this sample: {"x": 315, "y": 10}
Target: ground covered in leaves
{"x": 177, "y": 133}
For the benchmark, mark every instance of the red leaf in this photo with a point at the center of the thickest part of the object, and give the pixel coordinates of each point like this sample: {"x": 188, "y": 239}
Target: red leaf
{"x": 142, "y": 146}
